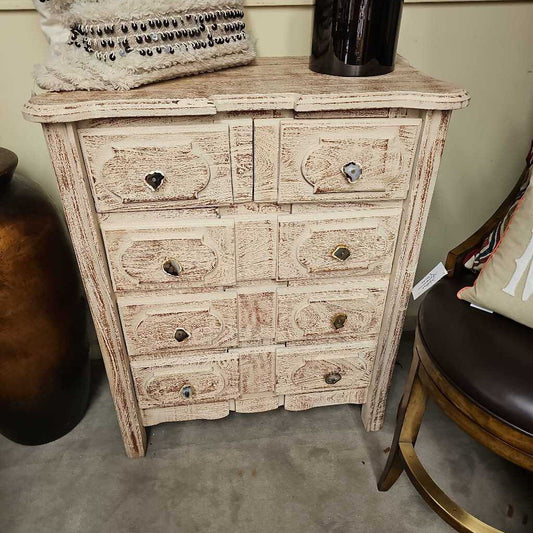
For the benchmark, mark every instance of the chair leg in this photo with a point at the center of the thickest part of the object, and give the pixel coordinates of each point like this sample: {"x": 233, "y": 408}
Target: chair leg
{"x": 403, "y": 456}
{"x": 408, "y": 421}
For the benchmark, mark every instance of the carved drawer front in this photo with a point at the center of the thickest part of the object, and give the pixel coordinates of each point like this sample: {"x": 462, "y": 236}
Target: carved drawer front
{"x": 167, "y": 253}
{"x": 345, "y": 310}
{"x": 207, "y": 378}
{"x": 179, "y": 322}
{"x": 256, "y": 243}
{"x": 257, "y": 369}
{"x": 335, "y": 160}
{"x": 324, "y": 367}
{"x": 324, "y": 244}
{"x": 174, "y": 166}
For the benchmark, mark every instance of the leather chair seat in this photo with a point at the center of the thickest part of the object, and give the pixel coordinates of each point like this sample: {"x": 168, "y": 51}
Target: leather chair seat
{"x": 488, "y": 357}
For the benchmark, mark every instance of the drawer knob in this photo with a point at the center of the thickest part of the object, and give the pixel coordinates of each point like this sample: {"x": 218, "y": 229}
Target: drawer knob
{"x": 172, "y": 267}
{"x": 352, "y": 171}
{"x": 186, "y": 392}
{"x": 154, "y": 179}
{"x": 333, "y": 378}
{"x": 341, "y": 252}
{"x": 180, "y": 335}
{"x": 339, "y": 320}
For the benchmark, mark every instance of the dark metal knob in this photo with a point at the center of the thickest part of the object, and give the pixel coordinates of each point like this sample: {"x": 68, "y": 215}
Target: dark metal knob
{"x": 172, "y": 267}
{"x": 154, "y": 179}
{"x": 341, "y": 252}
{"x": 332, "y": 378}
{"x": 180, "y": 335}
{"x": 186, "y": 392}
{"x": 352, "y": 171}
{"x": 339, "y": 320}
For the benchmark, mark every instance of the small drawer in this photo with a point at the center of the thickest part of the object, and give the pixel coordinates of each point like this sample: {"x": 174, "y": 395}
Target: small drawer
{"x": 207, "y": 378}
{"x": 179, "y": 322}
{"x": 347, "y": 310}
{"x": 324, "y": 367}
{"x": 159, "y": 252}
{"x": 325, "y": 244}
{"x": 337, "y": 160}
{"x": 173, "y": 166}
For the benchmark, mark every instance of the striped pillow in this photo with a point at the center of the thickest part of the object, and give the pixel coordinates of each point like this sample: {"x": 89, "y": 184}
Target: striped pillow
{"x": 475, "y": 261}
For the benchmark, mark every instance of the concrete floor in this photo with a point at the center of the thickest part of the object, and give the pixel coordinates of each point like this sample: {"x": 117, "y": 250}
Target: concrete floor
{"x": 313, "y": 471}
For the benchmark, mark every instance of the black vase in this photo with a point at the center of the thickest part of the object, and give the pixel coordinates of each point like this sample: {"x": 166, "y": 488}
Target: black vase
{"x": 355, "y": 37}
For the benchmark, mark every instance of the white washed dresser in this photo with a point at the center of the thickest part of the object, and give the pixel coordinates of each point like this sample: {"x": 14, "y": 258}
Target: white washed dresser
{"x": 248, "y": 238}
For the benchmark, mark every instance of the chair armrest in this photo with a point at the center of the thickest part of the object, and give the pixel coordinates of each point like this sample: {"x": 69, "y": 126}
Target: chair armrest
{"x": 454, "y": 260}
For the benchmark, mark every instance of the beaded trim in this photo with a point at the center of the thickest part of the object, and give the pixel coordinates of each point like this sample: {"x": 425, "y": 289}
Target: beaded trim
{"x": 148, "y": 37}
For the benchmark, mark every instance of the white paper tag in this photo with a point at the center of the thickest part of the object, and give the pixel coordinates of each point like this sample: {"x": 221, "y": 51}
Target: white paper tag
{"x": 429, "y": 280}
{"x": 481, "y": 308}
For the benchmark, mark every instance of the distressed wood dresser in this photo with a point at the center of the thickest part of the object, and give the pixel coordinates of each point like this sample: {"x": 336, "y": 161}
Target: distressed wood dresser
{"x": 248, "y": 238}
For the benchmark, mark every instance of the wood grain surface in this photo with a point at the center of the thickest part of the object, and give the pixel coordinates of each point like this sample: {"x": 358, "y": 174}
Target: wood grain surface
{"x": 268, "y": 83}
{"x": 307, "y": 242}
{"x": 305, "y": 369}
{"x": 402, "y": 277}
{"x": 204, "y": 250}
{"x": 214, "y": 379}
{"x": 194, "y": 160}
{"x": 313, "y": 153}
{"x": 307, "y": 313}
{"x": 83, "y": 227}
{"x": 253, "y": 274}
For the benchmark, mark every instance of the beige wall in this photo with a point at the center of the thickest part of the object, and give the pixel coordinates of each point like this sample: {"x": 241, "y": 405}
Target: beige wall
{"x": 484, "y": 47}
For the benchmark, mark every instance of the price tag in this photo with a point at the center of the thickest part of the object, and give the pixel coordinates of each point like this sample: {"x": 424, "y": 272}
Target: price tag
{"x": 429, "y": 280}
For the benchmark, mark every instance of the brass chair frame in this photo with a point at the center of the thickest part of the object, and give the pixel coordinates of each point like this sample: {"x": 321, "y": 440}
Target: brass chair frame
{"x": 426, "y": 381}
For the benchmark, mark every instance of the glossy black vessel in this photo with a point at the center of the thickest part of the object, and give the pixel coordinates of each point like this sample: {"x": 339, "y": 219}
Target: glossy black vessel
{"x": 355, "y": 37}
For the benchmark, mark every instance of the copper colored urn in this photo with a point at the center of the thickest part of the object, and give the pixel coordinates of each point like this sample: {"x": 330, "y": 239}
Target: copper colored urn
{"x": 44, "y": 365}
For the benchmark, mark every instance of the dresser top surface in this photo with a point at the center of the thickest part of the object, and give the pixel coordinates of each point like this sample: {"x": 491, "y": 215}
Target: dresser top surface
{"x": 267, "y": 84}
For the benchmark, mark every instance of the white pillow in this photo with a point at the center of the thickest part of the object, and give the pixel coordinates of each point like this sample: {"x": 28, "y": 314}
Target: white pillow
{"x": 51, "y": 24}
{"x": 121, "y": 44}
{"x": 505, "y": 285}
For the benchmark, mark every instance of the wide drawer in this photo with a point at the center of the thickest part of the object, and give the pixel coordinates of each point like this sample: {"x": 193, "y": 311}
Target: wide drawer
{"x": 172, "y": 166}
{"x": 158, "y": 252}
{"x": 206, "y": 378}
{"x": 179, "y": 322}
{"x": 159, "y": 324}
{"x": 347, "y": 310}
{"x": 324, "y": 367}
{"x": 337, "y": 160}
{"x": 325, "y": 244}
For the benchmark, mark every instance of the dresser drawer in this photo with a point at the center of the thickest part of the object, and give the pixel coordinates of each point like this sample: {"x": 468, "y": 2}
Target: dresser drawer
{"x": 336, "y": 160}
{"x": 324, "y": 367}
{"x": 179, "y": 322}
{"x": 159, "y": 252}
{"x": 345, "y": 310}
{"x": 322, "y": 244}
{"x": 172, "y": 166}
{"x": 206, "y": 378}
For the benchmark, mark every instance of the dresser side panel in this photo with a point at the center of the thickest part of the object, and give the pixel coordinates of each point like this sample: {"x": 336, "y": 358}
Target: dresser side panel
{"x": 407, "y": 253}
{"x": 83, "y": 226}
